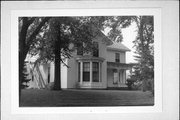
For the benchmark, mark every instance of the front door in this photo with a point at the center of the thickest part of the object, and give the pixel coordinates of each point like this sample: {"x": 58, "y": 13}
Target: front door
{"x": 115, "y": 78}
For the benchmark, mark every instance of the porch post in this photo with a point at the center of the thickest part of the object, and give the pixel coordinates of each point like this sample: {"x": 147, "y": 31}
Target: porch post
{"x": 119, "y": 77}
{"x": 125, "y": 76}
{"x": 90, "y": 71}
{"x": 81, "y": 72}
{"x": 99, "y": 72}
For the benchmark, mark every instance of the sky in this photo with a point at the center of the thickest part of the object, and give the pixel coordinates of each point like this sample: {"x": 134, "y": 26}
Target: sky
{"x": 129, "y": 35}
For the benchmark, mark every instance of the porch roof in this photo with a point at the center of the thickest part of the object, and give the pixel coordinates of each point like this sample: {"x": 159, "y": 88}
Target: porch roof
{"x": 118, "y": 47}
{"x": 116, "y": 65}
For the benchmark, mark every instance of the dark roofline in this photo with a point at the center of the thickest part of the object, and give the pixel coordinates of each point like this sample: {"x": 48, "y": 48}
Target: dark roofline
{"x": 117, "y": 49}
{"x": 104, "y": 37}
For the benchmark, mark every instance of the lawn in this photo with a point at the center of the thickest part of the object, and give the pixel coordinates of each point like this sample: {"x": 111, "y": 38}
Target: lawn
{"x": 74, "y": 97}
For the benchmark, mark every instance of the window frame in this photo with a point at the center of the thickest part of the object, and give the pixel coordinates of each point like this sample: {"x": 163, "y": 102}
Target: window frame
{"x": 95, "y": 71}
{"x": 79, "y": 71}
{"x": 86, "y": 72}
{"x": 95, "y": 51}
{"x": 117, "y": 57}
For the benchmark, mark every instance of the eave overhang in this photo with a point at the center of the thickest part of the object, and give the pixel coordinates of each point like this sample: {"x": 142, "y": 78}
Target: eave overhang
{"x": 116, "y": 65}
{"x": 118, "y": 49}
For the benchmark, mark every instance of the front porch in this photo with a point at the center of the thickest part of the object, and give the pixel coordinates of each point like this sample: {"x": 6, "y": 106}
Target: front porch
{"x": 116, "y": 75}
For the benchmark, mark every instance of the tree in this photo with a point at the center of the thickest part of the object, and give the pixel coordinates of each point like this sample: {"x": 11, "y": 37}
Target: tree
{"x": 57, "y": 38}
{"x": 144, "y": 44}
{"x": 25, "y": 80}
{"x": 29, "y": 27}
{"x": 116, "y": 24}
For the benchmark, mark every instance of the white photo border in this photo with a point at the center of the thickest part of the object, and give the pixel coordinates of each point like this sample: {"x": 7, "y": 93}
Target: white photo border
{"x": 156, "y": 12}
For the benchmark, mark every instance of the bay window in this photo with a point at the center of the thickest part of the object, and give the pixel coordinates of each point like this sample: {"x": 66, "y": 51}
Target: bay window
{"x": 89, "y": 71}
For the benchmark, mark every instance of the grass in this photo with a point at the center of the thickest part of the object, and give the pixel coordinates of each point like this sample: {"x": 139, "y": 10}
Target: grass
{"x": 74, "y": 97}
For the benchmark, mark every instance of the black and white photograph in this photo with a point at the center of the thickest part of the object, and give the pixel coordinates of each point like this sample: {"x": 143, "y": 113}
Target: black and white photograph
{"x": 86, "y": 61}
{"x": 89, "y": 60}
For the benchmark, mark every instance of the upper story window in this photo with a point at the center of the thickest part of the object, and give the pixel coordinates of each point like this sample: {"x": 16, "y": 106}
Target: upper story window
{"x": 117, "y": 57}
{"x": 79, "y": 49}
{"x": 96, "y": 49}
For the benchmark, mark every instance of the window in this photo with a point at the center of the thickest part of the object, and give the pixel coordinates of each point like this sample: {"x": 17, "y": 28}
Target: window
{"x": 117, "y": 56}
{"x": 79, "y": 49}
{"x": 79, "y": 70}
{"x": 115, "y": 76}
{"x": 95, "y": 72}
{"x": 96, "y": 49}
{"x": 86, "y": 71}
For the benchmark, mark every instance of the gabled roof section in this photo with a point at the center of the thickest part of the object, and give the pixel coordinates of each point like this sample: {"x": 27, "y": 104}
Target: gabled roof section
{"x": 98, "y": 32}
{"x": 118, "y": 47}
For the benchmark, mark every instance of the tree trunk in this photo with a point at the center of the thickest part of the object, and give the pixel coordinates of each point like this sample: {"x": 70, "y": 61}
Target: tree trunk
{"x": 57, "y": 78}
{"x": 22, "y": 51}
{"x": 144, "y": 79}
{"x": 20, "y": 76}
{"x": 22, "y": 57}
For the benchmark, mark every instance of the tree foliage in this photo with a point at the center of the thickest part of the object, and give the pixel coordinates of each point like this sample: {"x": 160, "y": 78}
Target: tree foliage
{"x": 144, "y": 42}
{"x": 55, "y": 43}
{"x": 144, "y": 45}
{"x": 116, "y": 24}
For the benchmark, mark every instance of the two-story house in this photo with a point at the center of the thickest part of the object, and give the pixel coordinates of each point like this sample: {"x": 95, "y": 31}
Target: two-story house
{"x": 104, "y": 68}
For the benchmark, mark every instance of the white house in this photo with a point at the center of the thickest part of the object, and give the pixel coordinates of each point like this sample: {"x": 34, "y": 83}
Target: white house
{"x": 103, "y": 68}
